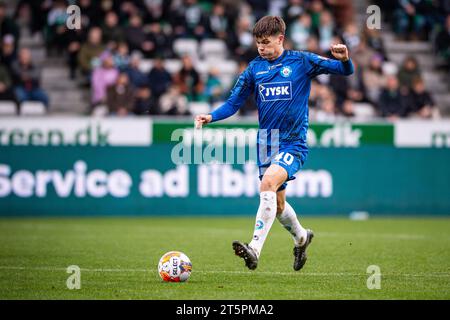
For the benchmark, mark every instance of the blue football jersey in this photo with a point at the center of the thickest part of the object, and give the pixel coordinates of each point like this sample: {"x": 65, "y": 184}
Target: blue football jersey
{"x": 281, "y": 88}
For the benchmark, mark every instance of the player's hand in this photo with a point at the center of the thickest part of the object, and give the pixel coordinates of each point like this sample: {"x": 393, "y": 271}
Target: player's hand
{"x": 201, "y": 120}
{"x": 340, "y": 52}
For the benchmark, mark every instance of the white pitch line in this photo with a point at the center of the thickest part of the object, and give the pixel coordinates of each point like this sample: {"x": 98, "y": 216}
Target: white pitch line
{"x": 318, "y": 274}
{"x": 373, "y": 235}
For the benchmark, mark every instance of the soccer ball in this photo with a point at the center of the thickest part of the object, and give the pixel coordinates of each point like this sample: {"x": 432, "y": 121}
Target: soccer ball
{"x": 174, "y": 266}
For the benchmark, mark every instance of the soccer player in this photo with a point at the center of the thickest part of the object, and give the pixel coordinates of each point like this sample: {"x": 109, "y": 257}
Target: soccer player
{"x": 281, "y": 81}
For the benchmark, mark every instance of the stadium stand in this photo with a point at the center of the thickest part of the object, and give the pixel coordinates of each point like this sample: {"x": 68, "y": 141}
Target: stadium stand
{"x": 8, "y": 108}
{"x": 32, "y": 108}
{"x": 217, "y": 35}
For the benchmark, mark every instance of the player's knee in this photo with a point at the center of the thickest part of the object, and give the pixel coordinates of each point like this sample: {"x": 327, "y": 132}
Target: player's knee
{"x": 268, "y": 185}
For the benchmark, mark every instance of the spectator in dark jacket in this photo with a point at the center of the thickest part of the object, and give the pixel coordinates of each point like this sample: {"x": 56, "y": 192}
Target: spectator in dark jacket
{"x": 421, "y": 103}
{"x": 7, "y": 24}
{"x": 442, "y": 42}
{"x": 159, "y": 78}
{"x": 26, "y": 79}
{"x": 6, "y": 91}
{"x": 91, "y": 11}
{"x": 410, "y": 19}
{"x": 8, "y": 53}
{"x": 392, "y": 104}
{"x": 162, "y": 41}
{"x": 189, "y": 20}
{"x": 37, "y": 11}
{"x": 112, "y": 32}
{"x": 56, "y": 29}
{"x": 145, "y": 104}
{"x": 137, "y": 77}
{"x": 137, "y": 38}
{"x": 218, "y": 23}
{"x": 188, "y": 80}
{"x": 120, "y": 96}
{"x": 74, "y": 39}
{"x": 293, "y": 10}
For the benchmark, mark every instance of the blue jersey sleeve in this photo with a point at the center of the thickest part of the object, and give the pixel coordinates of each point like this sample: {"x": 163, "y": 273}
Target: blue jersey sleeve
{"x": 321, "y": 65}
{"x": 240, "y": 92}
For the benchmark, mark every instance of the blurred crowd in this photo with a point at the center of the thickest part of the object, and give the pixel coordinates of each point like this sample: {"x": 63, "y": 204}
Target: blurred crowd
{"x": 116, "y": 37}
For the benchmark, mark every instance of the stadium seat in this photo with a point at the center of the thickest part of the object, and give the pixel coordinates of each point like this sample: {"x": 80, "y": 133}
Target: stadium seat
{"x": 8, "y": 108}
{"x": 186, "y": 46}
{"x": 173, "y": 65}
{"x": 228, "y": 67}
{"x": 210, "y": 48}
{"x": 363, "y": 111}
{"x": 199, "y": 107}
{"x": 225, "y": 66}
{"x": 312, "y": 113}
{"x": 389, "y": 68}
{"x": 146, "y": 65}
{"x": 100, "y": 111}
{"x": 202, "y": 67}
{"x": 228, "y": 70}
{"x": 227, "y": 81}
{"x": 32, "y": 108}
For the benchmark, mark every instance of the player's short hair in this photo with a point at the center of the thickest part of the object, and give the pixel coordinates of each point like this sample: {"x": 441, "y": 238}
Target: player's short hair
{"x": 269, "y": 26}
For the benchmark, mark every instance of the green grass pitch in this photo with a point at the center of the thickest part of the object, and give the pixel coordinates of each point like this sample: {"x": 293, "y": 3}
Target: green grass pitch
{"x": 118, "y": 258}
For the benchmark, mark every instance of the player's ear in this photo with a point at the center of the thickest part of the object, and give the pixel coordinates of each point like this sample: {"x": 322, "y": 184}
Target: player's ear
{"x": 280, "y": 39}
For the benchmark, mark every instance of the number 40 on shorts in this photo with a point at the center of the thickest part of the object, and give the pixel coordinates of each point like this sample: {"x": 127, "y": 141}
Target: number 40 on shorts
{"x": 287, "y": 158}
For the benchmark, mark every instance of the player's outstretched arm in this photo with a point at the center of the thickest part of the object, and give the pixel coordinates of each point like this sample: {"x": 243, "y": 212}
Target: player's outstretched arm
{"x": 321, "y": 65}
{"x": 340, "y": 52}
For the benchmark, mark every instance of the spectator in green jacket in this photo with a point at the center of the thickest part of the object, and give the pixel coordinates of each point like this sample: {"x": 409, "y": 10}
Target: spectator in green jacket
{"x": 90, "y": 50}
{"x": 408, "y": 71}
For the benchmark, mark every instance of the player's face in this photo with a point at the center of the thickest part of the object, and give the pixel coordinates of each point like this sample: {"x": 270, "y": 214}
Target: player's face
{"x": 270, "y": 47}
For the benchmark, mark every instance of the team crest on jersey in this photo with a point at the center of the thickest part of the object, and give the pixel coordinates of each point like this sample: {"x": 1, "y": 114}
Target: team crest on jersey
{"x": 286, "y": 71}
{"x": 274, "y": 91}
